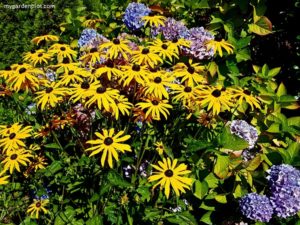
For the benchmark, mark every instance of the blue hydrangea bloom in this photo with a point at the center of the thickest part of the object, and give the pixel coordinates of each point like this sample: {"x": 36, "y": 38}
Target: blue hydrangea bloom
{"x": 256, "y": 207}
{"x": 284, "y": 181}
{"x": 133, "y": 14}
{"x": 244, "y": 130}
{"x": 87, "y": 36}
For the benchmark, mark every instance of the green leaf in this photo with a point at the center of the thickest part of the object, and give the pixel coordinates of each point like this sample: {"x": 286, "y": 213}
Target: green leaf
{"x": 243, "y": 55}
{"x": 65, "y": 217}
{"x": 274, "y": 128}
{"x": 206, "y": 218}
{"x": 294, "y": 121}
{"x": 52, "y": 145}
{"x": 115, "y": 179}
{"x": 273, "y": 72}
{"x": 254, "y": 163}
{"x": 53, "y": 168}
{"x": 230, "y": 141}
{"x": 221, "y": 199}
{"x": 262, "y": 27}
{"x": 221, "y": 166}
{"x": 200, "y": 189}
{"x": 293, "y": 151}
{"x": 212, "y": 180}
{"x": 95, "y": 220}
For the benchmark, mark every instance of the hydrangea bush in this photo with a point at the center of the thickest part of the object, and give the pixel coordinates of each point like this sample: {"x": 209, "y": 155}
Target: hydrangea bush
{"x": 156, "y": 122}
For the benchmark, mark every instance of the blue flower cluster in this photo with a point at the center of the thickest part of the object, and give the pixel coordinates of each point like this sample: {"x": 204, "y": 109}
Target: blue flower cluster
{"x": 256, "y": 207}
{"x": 244, "y": 130}
{"x": 284, "y": 181}
{"x": 199, "y": 36}
{"x": 133, "y": 14}
{"x": 87, "y": 36}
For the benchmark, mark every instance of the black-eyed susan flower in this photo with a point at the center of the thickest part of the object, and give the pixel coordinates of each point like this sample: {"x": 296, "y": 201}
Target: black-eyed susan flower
{"x": 122, "y": 105}
{"x": 215, "y": 98}
{"x": 244, "y": 95}
{"x": 190, "y": 72}
{"x": 62, "y": 51}
{"x": 177, "y": 44}
{"x": 14, "y": 139}
{"x": 50, "y": 96}
{"x": 159, "y": 147}
{"x": 73, "y": 74}
{"x": 163, "y": 50}
{"x": 25, "y": 77}
{"x": 144, "y": 56}
{"x": 38, "y": 162}
{"x": 38, "y": 206}
{"x": 218, "y": 45}
{"x": 185, "y": 94}
{"x": 109, "y": 144}
{"x": 115, "y": 47}
{"x": 103, "y": 97}
{"x": 15, "y": 158}
{"x": 157, "y": 84}
{"x": 44, "y": 38}
{"x": 7, "y": 73}
{"x": 91, "y": 23}
{"x": 153, "y": 20}
{"x": 135, "y": 72}
{"x": 155, "y": 107}
{"x": 109, "y": 70}
{"x": 3, "y": 179}
{"x": 79, "y": 92}
{"x": 171, "y": 176}
{"x": 37, "y": 57}
{"x": 64, "y": 65}
{"x": 92, "y": 56}
{"x": 6, "y": 130}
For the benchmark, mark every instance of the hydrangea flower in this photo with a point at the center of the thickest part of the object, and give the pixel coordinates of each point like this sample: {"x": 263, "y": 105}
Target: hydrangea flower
{"x": 199, "y": 36}
{"x": 256, "y": 207}
{"x": 133, "y": 15}
{"x": 171, "y": 30}
{"x": 244, "y": 130}
{"x": 284, "y": 181}
{"x": 87, "y": 36}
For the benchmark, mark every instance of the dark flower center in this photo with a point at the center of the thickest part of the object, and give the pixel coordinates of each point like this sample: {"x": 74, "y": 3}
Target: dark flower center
{"x": 153, "y": 70}
{"x": 116, "y": 41}
{"x": 22, "y": 70}
{"x": 246, "y": 92}
{"x": 12, "y": 135}
{"x": 169, "y": 173}
{"x": 155, "y": 102}
{"x": 32, "y": 51}
{"x": 101, "y": 90}
{"x": 63, "y": 48}
{"x": 8, "y": 126}
{"x": 108, "y": 141}
{"x": 66, "y": 60}
{"x": 187, "y": 89}
{"x": 40, "y": 55}
{"x": 93, "y": 50}
{"x": 109, "y": 64}
{"x": 49, "y": 89}
{"x": 136, "y": 68}
{"x": 152, "y": 14}
{"x": 13, "y": 156}
{"x": 157, "y": 80}
{"x": 85, "y": 85}
{"x": 216, "y": 93}
{"x": 223, "y": 89}
{"x": 71, "y": 72}
{"x": 175, "y": 40}
{"x": 20, "y": 63}
{"x": 38, "y": 205}
{"x": 8, "y": 68}
{"x": 164, "y": 46}
{"x": 191, "y": 69}
{"x": 145, "y": 51}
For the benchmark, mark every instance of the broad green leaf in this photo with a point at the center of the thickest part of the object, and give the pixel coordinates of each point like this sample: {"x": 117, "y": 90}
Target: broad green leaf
{"x": 206, "y": 218}
{"x": 294, "y": 121}
{"x": 200, "y": 189}
{"x": 293, "y": 150}
{"x": 52, "y": 145}
{"x": 211, "y": 180}
{"x": 95, "y": 220}
{"x": 254, "y": 163}
{"x": 230, "y": 141}
{"x": 221, "y": 199}
{"x": 116, "y": 180}
{"x": 53, "y": 168}
{"x": 243, "y": 55}
{"x": 238, "y": 191}
{"x": 262, "y": 27}
{"x": 256, "y": 68}
{"x": 65, "y": 217}
{"x": 265, "y": 70}
{"x": 274, "y": 128}
{"x": 221, "y": 168}
{"x": 273, "y": 72}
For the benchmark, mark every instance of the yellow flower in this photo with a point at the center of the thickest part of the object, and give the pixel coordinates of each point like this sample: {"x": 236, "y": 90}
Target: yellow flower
{"x": 37, "y": 206}
{"x": 159, "y": 147}
{"x": 103, "y": 97}
{"x": 5, "y": 130}
{"x": 13, "y": 140}
{"x": 92, "y": 57}
{"x": 186, "y": 94}
{"x": 155, "y": 107}
{"x": 122, "y": 105}
{"x": 109, "y": 145}
{"x": 51, "y": 95}
{"x": 245, "y": 95}
{"x": 7, "y": 73}
{"x": 135, "y": 72}
{"x": 73, "y": 74}
{"x": 176, "y": 44}
{"x": 109, "y": 70}
{"x": 164, "y": 50}
{"x": 190, "y": 72}
{"x": 91, "y": 23}
{"x": 218, "y": 45}
{"x": 215, "y": 98}
{"x": 62, "y": 51}
{"x": 14, "y": 158}
{"x": 146, "y": 57}
{"x": 154, "y": 20}
{"x": 37, "y": 57}
{"x": 3, "y": 179}
{"x": 157, "y": 83}
{"x": 82, "y": 91}
{"x": 171, "y": 176}
{"x": 45, "y": 38}
{"x": 116, "y": 47}
{"x": 25, "y": 77}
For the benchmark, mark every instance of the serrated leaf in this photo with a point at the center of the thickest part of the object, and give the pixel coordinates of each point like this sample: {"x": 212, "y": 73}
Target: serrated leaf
{"x": 200, "y": 189}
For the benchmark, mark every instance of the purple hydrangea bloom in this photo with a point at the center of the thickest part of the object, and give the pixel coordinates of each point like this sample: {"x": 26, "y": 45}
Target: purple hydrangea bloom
{"x": 171, "y": 30}
{"x": 199, "y": 36}
{"x": 87, "y": 36}
{"x": 244, "y": 130}
{"x": 133, "y": 14}
{"x": 284, "y": 181}
{"x": 256, "y": 207}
